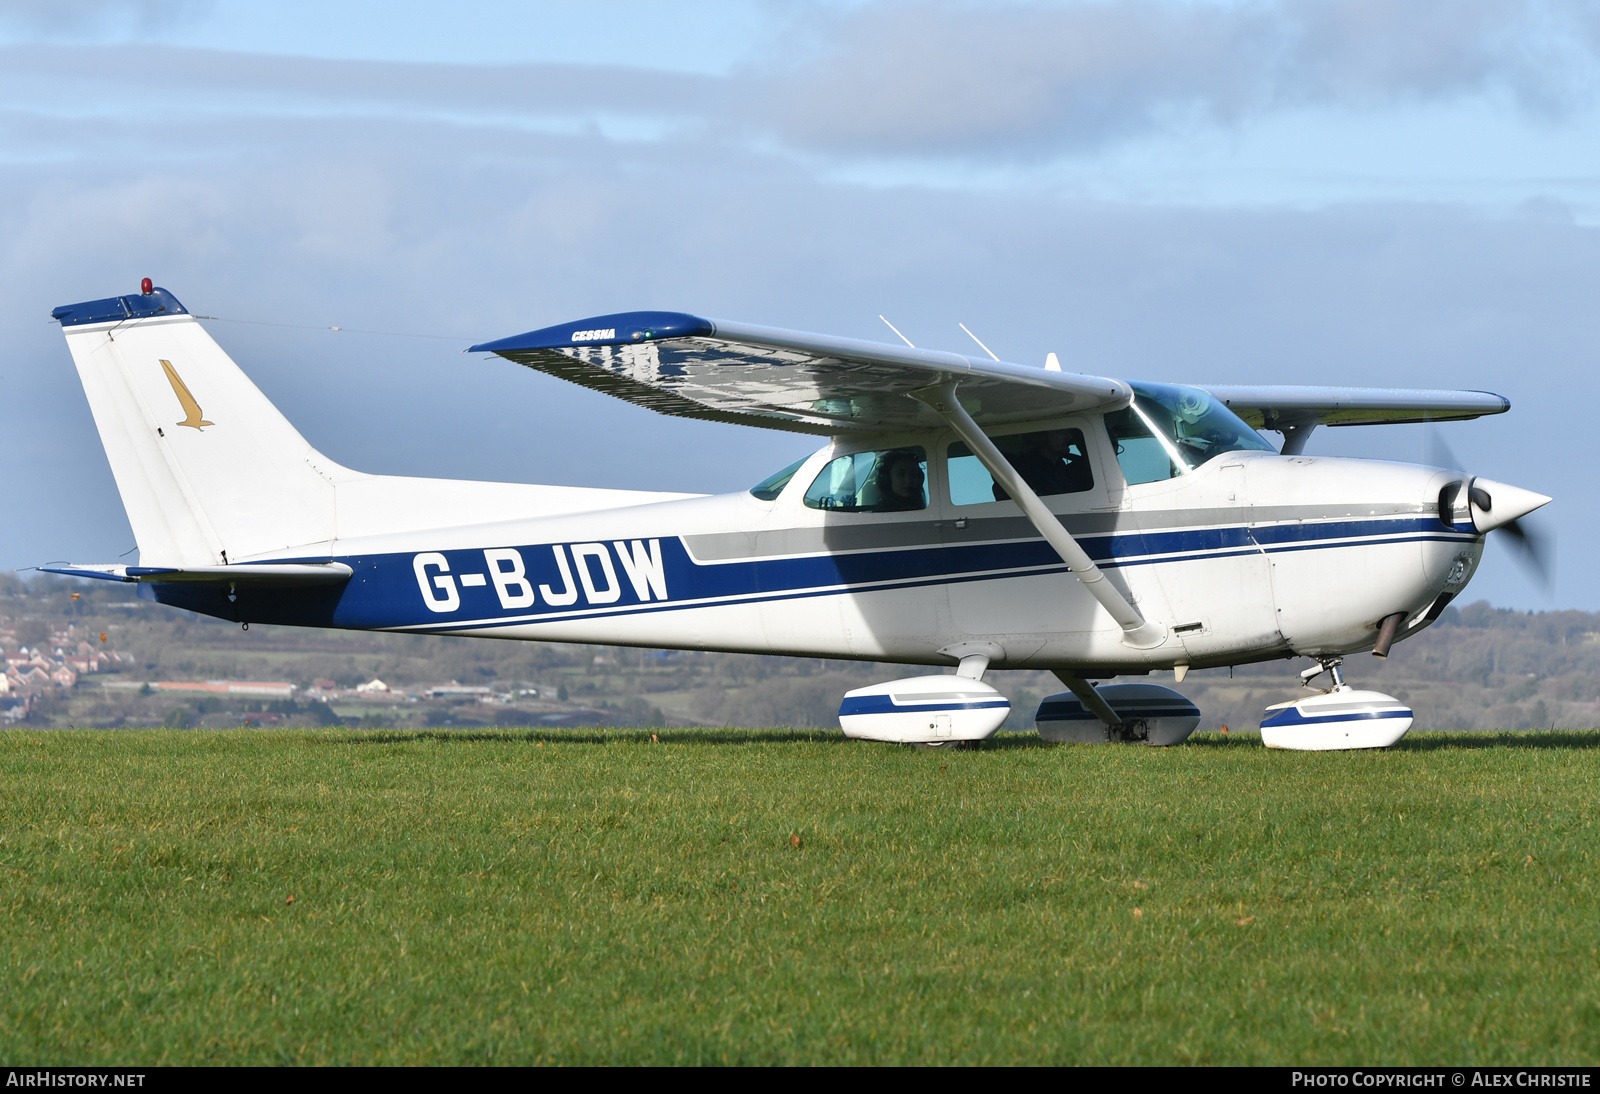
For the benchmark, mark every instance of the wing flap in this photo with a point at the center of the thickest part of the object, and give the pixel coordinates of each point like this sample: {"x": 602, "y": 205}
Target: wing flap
{"x": 683, "y": 365}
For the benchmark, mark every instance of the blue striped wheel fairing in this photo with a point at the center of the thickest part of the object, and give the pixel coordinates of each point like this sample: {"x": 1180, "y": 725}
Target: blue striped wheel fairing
{"x": 885, "y": 704}
{"x": 1072, "y": 711}
{"x": 1289, "y": 716}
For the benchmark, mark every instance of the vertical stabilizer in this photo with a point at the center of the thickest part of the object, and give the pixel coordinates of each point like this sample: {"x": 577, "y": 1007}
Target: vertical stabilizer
{"x": 209, "y": 471}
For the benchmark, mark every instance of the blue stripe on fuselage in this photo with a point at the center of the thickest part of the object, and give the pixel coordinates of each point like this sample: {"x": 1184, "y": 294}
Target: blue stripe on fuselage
{"x": 387, "y": 591}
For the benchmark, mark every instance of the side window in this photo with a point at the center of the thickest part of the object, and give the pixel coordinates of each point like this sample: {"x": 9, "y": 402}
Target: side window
{"x": 770, "y": 487}
{"x": 894, "y": 481}
{"x": 1140, "y": 453}
{"x": 1054, "y": 461}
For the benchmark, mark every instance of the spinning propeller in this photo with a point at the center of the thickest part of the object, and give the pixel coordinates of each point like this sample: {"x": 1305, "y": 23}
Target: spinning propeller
{"x": 1493, "y": 506}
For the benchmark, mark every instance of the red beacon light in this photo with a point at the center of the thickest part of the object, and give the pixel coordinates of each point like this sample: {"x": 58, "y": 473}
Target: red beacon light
{"x": 147, "y": 286}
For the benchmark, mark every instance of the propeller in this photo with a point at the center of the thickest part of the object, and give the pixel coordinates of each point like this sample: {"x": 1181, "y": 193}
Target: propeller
{"x": 1532, "y": 547}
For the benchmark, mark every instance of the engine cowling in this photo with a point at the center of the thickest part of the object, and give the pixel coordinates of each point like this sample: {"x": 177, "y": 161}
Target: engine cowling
{"x": 924, "y": 710}
{"x": 1151, "y": 715}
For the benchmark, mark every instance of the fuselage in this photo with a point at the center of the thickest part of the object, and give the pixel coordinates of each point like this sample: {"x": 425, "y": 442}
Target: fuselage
{"x": 1250, "y": 556}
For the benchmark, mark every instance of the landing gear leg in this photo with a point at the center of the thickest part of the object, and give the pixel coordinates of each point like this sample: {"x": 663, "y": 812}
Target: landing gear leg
{"x": 1091, "y": 699}
{"x": 1329, "y": 665}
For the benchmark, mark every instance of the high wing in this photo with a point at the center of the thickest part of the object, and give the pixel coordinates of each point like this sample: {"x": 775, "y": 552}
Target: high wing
{"x": 781, "y": 379}
{"x": 1272, "y": 407}
{"x": 691, "y": 367}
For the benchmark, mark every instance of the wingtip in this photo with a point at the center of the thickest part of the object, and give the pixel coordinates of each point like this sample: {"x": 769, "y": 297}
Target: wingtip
{"x": 618, "y": 329}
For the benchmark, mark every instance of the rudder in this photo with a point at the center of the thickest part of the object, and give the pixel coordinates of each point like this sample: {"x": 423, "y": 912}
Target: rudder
{"x": 210, "y": 472}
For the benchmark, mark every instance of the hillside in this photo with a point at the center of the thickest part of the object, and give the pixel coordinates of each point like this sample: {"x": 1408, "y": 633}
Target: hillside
{"x": 1477, "y": 668}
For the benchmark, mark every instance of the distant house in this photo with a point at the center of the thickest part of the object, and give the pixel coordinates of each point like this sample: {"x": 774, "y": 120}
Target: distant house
{"x": 64, "y": 676}
{"x": 373, "y": 685}
{"x": 458, "y": 691}
{"x": 325, "y": 685}
{"x": 266, "y": 689}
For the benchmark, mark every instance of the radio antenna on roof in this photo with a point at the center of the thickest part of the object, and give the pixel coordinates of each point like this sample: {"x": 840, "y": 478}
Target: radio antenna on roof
{"x": 896, "y": 330}
{"x": 978, "y": 340}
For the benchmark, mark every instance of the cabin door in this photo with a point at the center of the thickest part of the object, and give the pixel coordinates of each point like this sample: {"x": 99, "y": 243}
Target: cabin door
{"x": 1221, "y": 593}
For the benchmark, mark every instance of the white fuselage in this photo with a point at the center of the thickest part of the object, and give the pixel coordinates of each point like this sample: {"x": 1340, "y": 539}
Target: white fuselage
{"x": 1251, "y": 556}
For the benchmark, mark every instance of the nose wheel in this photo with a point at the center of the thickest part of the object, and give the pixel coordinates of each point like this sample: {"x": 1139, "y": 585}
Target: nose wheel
{"x": 1337, "y": 718}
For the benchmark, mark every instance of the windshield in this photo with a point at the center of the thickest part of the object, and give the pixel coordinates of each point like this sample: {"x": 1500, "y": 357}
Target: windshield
{"x": 1170, "y": 430}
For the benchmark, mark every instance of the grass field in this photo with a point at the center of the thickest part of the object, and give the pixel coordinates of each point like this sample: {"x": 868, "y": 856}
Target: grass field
{"x": 736, "y": 896}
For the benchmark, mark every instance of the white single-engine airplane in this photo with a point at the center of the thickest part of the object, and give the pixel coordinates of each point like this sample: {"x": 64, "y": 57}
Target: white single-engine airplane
{"x": 965, "y": 512}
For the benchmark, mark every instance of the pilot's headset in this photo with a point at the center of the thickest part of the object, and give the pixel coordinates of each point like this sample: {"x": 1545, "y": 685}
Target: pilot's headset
{"x": 1191, "y": 405}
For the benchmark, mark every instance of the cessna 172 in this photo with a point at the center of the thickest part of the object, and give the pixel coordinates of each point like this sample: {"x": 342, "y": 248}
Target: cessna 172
{"x": 964, "y": 512}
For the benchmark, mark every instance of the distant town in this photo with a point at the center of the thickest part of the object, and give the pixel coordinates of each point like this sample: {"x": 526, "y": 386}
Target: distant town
{"x": 59, "y": 662}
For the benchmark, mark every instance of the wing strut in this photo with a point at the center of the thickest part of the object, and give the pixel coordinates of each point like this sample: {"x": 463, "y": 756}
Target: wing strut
{"x": 1295, "y": 435}
{"x": 1136, "y": 631}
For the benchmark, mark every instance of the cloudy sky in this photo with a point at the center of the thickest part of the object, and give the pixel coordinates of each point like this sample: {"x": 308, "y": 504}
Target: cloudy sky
{"x": 1289, "y": 191}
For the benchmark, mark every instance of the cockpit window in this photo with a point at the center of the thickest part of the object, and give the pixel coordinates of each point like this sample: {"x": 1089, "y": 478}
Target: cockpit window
{"x": 770, "y": 487}
{"x": 893, "y": 481}
{"x": 1169, "y": 431}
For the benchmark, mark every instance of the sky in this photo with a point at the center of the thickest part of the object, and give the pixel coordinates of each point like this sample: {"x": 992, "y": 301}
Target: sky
{"x": 1228, "y": 191}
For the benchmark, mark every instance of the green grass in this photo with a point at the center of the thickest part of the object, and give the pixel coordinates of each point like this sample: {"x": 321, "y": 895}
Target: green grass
{"x": 591, "y": 896}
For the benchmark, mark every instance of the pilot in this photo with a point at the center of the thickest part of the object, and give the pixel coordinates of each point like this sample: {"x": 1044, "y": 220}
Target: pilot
{"x": 1050, "y": 463}
{"x": 899, "y": 480}
{"x": 1194, "y": 435}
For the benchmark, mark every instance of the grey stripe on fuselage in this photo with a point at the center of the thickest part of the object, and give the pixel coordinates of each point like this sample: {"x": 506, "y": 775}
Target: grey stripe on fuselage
{"x": 729, "y": 546}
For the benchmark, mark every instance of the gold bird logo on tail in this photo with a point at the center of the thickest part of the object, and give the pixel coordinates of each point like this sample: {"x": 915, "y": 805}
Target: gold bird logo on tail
{"x": 191, "y": 409}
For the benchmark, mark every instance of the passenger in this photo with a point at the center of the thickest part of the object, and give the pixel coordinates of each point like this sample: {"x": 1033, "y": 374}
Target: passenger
{"x": 899, "y": 479}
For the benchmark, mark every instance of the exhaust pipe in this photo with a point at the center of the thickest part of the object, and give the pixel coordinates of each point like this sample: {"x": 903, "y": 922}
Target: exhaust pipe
{"x": 1386, "y": 633}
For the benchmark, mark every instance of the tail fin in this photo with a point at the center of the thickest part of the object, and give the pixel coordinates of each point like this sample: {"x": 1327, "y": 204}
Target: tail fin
{"x": 209, "y": 471}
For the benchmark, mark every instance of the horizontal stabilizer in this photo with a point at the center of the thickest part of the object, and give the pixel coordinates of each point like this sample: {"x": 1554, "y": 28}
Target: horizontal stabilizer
{"x": 275, "y": 574}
